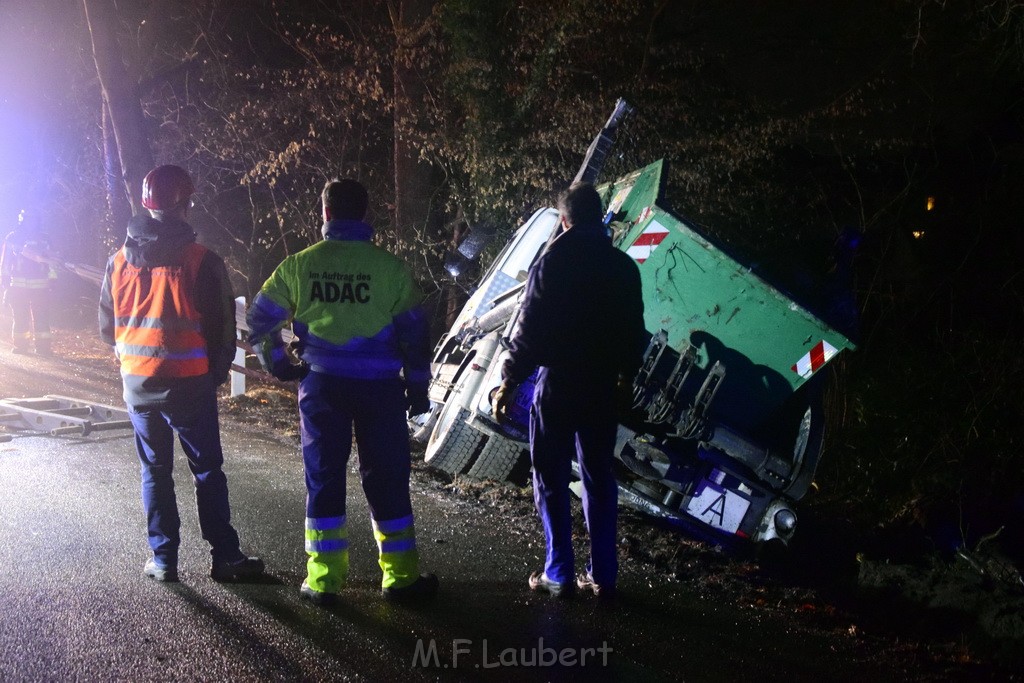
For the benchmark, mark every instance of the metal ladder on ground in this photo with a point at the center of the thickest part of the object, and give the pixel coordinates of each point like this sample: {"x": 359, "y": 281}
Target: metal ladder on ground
{"x": 59, "y": 416}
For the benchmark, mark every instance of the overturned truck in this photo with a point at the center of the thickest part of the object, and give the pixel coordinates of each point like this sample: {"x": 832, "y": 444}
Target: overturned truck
{"x": 726, "y": 426}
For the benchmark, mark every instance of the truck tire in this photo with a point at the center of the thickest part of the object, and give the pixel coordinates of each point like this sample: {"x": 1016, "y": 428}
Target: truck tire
{"x": 497, "y": 459}
{"x": 807, "y": 415}
{"x": 452, "y": 443}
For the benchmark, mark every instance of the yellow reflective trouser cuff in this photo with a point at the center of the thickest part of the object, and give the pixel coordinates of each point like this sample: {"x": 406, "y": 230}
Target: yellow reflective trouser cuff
{"x": 396, "y": 540}
{"x": 327, "y": 547}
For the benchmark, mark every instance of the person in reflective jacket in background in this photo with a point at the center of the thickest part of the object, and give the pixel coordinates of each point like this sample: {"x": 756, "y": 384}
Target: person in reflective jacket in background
{"x": 364, "y": 351}
{"x": 167, "y": 308}
{"x": 582, "y": 324}
{"x": 26, "y": 279}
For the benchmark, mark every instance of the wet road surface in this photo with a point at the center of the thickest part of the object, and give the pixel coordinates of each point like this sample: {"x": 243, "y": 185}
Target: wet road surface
{"x": 74, "y": 604}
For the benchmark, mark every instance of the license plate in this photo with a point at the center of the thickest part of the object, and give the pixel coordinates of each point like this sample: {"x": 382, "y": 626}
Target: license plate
{"x": 717, "y": 506}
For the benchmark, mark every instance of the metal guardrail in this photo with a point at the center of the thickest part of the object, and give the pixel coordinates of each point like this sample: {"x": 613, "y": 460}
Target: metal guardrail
{"x": 239, "y": 371}
{"x": 63, "y": 415}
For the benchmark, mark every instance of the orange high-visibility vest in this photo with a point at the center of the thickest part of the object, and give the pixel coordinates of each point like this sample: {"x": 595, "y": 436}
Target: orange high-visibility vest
{"x": 157, "y": 329}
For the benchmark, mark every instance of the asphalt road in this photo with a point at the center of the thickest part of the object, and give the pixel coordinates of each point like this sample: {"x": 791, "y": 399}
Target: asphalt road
{"x": 74, "y": 604}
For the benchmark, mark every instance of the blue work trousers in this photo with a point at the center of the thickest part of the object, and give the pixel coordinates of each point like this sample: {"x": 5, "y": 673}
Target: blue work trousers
{"x": 196, "y": 425}
{"x": 571, "y": 419}
{"x": 330, "y": 408}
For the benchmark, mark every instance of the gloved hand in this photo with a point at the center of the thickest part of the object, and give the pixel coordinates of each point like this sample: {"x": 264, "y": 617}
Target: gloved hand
{"x": 501, "y": 400}
{"x": 286, "y": 371}
{"x": 417, "y": 398}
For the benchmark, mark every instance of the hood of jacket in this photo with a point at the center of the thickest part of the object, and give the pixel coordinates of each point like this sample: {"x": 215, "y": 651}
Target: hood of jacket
{"x": 346, "y": 229}
{"x": 152, "y": 242}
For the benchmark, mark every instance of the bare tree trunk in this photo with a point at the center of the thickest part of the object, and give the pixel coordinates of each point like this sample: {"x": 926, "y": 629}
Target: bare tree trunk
{"x": 120, "y": 100}
{"x": 117, "y": 198}
{"x": 417, "y": 210}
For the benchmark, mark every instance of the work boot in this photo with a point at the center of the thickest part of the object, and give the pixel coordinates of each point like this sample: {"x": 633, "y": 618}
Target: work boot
{"x": 316, "y": 597}
{"x": 585, "y": 582}
{"x": 540, "y": 582}
{"x": 245, "y": 569}
{"x": 163, "y": 574}
{"x": 422, "y": 589}
{"x": 20, "y": 350}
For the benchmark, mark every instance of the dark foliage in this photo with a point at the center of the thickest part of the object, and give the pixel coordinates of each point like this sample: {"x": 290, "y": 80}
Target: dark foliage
{"x": 785, "y": 126}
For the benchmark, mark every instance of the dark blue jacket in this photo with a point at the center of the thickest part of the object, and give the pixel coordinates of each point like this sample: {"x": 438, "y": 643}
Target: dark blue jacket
{"x": 582, "y": 316}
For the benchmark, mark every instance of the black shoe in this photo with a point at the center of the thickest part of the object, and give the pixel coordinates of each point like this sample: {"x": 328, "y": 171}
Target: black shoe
{"x": 585, "y": 582}
{"x": 316, "y": 597}
{"x": 540, "y": 582}
{"x": 245, "y": 569}
{"x": 20, "y": 350}
{"x": 159, "y": 573}
{"x": 422, "y": 589}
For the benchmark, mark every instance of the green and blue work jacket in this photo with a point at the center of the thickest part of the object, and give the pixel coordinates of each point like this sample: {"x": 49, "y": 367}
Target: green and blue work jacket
{"x": 354, "y": 307}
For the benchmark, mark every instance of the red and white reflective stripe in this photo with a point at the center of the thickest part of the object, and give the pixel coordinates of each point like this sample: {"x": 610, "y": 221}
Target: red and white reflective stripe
{"x": 814, "y": 359}
{"x": 647, "y": 242}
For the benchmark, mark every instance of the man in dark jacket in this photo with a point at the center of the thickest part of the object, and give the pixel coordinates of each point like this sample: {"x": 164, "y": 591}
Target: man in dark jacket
{"x": 167, "y": 308}
{"x": 582, "y": 325}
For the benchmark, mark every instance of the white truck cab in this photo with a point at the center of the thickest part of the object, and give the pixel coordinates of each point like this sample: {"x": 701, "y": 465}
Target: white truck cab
{"x": 726, "y": 426}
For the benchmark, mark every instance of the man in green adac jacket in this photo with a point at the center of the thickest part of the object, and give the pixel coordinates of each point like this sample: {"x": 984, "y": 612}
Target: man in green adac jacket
{"x": 364, "y": 351}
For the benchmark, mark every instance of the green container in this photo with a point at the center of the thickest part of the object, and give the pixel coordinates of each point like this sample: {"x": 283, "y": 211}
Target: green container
{"x": 700, "y": 295}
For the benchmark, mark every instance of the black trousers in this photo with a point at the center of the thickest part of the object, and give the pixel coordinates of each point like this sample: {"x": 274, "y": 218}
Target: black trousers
{"x": 30, "y": 309}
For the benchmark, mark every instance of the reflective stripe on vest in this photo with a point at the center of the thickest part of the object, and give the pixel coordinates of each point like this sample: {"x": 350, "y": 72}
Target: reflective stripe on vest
{"x": 157, "y": 329}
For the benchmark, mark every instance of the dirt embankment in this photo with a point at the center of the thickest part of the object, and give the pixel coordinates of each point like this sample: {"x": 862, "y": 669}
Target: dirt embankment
{"x": 957, "y": 615}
